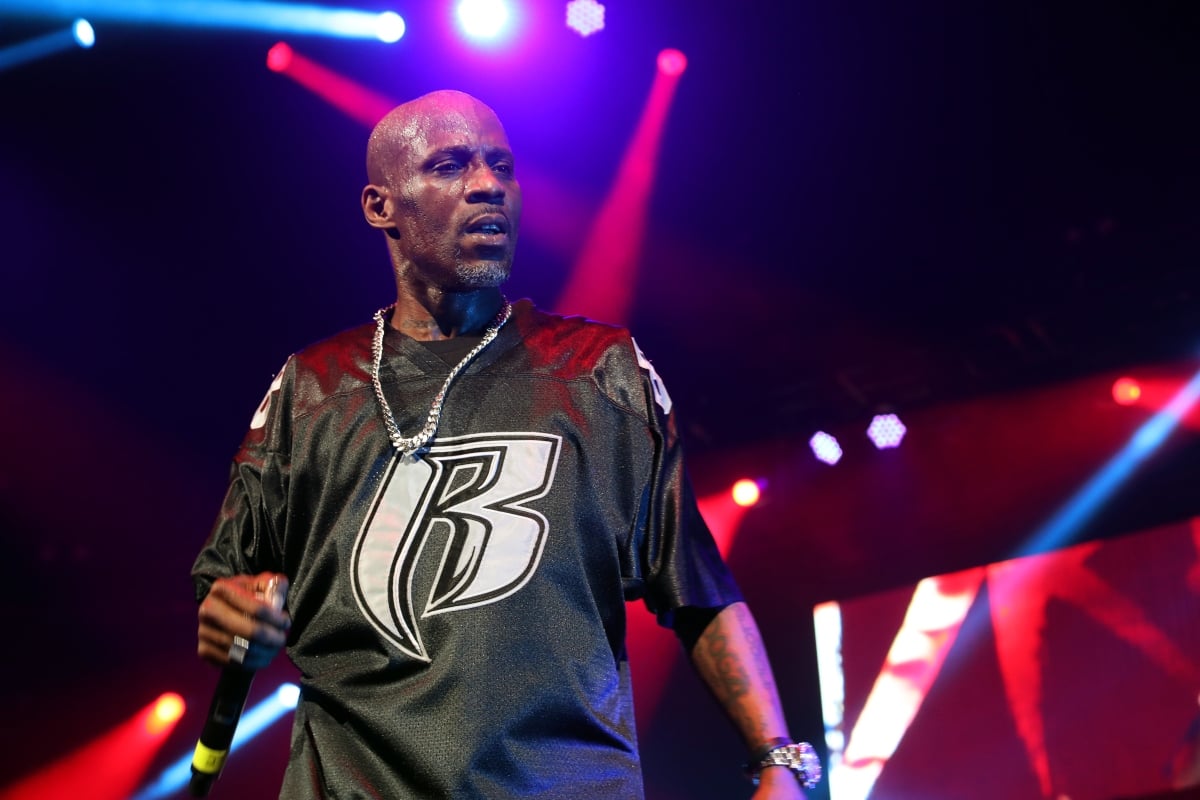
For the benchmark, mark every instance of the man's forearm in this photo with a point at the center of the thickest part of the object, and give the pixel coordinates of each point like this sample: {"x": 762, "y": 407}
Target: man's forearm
{"x": 730, "y": 657}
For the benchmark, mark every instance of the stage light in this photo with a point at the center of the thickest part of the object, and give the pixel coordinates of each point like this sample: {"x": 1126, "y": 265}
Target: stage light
{"x": 350, "y": 97}
{"x": 389, "y": 27}
{"x": 279, "y": 57}
{"x": 80, "y": 34}
{"x": 825, "y": 447}
{"x": 672, "y": 62}
{"x": 109, "y": 766}
{"x": 1126, "y": 391}
{"x": 288, "y": 695}
{"x": 585, "y": 17}
{"x": 83, "y": 32}
{"x": 167, "y": 711}
{"x": 1084, "y": 504}
{"x": 482, "y": 19}
{"x": 603, "y": 278}
{"x": 886, "y": 430}
{"x": 270, "y": 16}
{"x": 746, "y": 492}
{"x": 174, "y": 778}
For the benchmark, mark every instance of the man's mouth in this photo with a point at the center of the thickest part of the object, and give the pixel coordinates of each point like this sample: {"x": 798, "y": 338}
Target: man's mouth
{"x": 488, "y": 227}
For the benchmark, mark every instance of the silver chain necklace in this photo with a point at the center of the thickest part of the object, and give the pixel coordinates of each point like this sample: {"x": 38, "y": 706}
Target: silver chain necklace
{"x": 414, "y": 444}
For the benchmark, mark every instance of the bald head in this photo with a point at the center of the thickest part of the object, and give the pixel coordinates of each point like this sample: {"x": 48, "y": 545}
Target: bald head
{"x": 407, "y": 128}
{"x": 444, "y": 191}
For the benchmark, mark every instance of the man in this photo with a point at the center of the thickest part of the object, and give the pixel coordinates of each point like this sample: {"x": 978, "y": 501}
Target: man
{"x": 458, "y": 500}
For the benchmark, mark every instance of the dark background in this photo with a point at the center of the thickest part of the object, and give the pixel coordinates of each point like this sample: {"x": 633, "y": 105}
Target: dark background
{"x": 976, "y": 215}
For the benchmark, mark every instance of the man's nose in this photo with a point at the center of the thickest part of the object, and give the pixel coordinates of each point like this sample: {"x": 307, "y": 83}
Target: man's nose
{"x": 484, "y": 186}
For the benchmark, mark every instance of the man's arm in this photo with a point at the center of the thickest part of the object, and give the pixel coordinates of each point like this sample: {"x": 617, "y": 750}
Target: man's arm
{"x": 729, "y": 656}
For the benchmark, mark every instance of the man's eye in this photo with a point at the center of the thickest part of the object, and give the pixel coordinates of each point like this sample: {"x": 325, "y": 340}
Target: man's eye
{"x": 446, "y": 166}
{"x": 503, "y": 168}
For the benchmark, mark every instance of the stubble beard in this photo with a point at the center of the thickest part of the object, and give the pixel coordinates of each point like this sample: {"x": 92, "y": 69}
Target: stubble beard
{"x": 481, "y": 273}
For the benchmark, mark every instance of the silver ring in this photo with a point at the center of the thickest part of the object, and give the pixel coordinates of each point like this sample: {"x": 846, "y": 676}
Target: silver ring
{"x": 237, "y": 650}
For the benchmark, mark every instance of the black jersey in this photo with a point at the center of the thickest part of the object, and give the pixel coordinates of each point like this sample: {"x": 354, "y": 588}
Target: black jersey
{"x": 458, "y": 617}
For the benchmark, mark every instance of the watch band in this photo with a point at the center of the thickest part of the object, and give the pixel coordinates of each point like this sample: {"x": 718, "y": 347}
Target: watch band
{"x": 799, "y": 757}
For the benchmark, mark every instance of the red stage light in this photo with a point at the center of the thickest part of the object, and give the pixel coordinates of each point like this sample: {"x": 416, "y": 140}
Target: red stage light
{"x": 672, "y": 62}
{"x": 279, "y": 57}
{"x": 110, "y": 766}
{"x": 1126, "y": 391}
{"x": 746, "y": 492}
{"x": 167, "y": 711}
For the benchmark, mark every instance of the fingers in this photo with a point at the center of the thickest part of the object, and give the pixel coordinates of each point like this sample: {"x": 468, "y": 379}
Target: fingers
{"x": 238, "y": 606}
{"x": 271, "y": 588}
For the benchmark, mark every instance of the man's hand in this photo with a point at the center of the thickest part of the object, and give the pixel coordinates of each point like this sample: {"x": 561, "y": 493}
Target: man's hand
{"x": 237, "y": 607}
{"x": 778, "y": 783}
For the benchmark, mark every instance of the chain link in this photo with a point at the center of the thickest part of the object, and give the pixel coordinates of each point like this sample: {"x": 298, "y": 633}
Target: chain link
{"x": 412, "y": 445}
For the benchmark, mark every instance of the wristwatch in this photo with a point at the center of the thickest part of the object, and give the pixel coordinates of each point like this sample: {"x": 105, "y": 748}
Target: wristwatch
{"x": 799, "y": 757}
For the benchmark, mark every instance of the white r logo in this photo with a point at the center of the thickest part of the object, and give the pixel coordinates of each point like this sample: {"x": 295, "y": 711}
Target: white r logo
{"x": 472, "y": 490}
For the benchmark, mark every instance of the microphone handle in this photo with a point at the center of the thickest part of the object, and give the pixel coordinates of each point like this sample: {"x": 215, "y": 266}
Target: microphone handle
{"x": 213, "y": 748}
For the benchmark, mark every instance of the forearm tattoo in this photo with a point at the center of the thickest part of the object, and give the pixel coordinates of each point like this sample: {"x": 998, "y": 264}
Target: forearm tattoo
{"x": 730, "y": 657}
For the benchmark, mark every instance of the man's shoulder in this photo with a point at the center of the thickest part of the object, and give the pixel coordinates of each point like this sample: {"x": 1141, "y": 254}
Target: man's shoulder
{"x": 564, "y": 328}
{"x": 572, "y": 347}
{"x": 333, "y": 365}
{"x": 350, "y": 340}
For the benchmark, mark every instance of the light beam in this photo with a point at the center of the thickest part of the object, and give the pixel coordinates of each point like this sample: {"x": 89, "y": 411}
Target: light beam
{"x": 80, "y": 34}
{"x": 175, "y": 777}
{"x": 300, "y": 18}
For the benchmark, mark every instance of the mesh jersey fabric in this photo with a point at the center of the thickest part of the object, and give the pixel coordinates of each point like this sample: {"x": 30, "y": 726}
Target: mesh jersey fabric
{"x": 459, "y": 618}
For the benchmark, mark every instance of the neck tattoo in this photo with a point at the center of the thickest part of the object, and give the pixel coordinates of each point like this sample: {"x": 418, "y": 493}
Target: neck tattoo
{"x": 415, "y": 445}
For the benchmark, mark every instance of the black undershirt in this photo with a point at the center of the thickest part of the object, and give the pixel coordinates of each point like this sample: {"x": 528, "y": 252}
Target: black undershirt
{"x": 453, "y": 349}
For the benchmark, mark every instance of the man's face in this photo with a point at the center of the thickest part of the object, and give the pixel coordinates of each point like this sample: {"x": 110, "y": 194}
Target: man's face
{"x": 457, "y": 200}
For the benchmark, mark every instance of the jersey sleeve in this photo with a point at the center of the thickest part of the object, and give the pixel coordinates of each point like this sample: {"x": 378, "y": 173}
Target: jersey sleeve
{"x": 679, "y": 560}
{"x": 246, "y": 537}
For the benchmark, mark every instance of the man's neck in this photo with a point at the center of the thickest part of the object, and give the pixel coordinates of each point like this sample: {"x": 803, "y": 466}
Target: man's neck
{"x": 432, "y": 314}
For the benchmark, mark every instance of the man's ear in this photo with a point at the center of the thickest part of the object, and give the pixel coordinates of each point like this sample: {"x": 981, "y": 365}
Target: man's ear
{"x": 377, "y": 207}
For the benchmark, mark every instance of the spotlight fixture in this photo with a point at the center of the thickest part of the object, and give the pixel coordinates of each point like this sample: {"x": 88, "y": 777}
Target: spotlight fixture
{"x": 825, "y": 447}
{"x": 85, "y": 35}
{"x": 80, "y": 34}
{"x": 886, "y": 430}
{"x": 672, "y": 62}
{"x": 746, "y": 492}
{"x": 1126, "y": 391}
{"x": 279, "y": 57}
{"x": 483, "y": 19}
{"x": 585, "y": 17}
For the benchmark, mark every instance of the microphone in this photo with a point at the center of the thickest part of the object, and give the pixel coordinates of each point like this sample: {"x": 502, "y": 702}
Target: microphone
{"x": 229, "y": 698}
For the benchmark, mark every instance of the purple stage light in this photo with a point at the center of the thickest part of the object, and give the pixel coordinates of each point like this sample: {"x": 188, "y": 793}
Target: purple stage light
{"x": 886, "y": 430}
{"x": 825, "y": 447}
{"x": 585, "y": 17}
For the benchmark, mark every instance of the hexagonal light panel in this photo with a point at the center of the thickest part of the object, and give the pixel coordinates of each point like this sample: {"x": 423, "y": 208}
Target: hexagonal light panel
{"x": 886, "y": 430}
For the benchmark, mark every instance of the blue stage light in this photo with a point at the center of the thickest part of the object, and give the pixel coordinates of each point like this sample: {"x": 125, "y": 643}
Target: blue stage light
{"x": 84, "y": 35}
{"x": 1062, "y": 527}
{"x": 80, "y": 34}
{"x": 175, "y": 777}
{"x": 295, "y": 18}
{"x": 389, "y": 27}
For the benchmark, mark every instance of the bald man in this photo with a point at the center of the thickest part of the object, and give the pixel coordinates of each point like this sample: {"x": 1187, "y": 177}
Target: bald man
{"x": 457, "y": 500}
